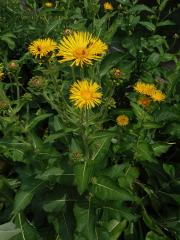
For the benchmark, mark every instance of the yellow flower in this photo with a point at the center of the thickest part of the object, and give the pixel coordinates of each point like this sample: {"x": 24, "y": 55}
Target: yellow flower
{"x": 158, "y": 96}
{"x": 81, "y": 48}
{"x": 122, "y": 120}
{"x": 85, "y": 94}
{"x": 42, "y": 47}
{"x": 48, "y": 4}
{"x": 144, "y": 101}
{"x": 108, "y": 6}
{"x": 1, "y": 75}
{"x": 144, "y": 88}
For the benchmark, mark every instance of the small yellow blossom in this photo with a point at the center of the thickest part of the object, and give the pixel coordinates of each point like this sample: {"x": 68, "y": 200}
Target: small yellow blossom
{"x": 48, "y": 4}
{"x": 108, "y": 6}
{"x": 122, "y": 120}
{"x": 42, "y": 47}
{"x": 85, "y": 94}
{"x": 144, "y": 88}
{"x": 158, "y": 96}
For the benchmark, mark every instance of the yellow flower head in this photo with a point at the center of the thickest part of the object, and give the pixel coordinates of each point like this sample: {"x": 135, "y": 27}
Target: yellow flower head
{"x": 144, "y": 88}
{"x": 122, "y": 120}
{"x": 42, "y": 47}
{"x": 158, "y": 96}
{"x": 85, "y": 94}
{"x": 144, "y": 101}
{"x": 48, "y": 4}
{"x": 108, "y": 6}
{"x": 1, "y": 75}
{"x": 81, "y": 48}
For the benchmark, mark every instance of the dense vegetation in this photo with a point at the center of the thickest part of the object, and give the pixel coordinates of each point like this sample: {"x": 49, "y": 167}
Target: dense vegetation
{"x": 89, "y": 120}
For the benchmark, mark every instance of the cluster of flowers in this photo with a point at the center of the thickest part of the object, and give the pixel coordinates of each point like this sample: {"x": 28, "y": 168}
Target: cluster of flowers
{"x": 81, "y": 48}
{"x": 149, "y": 93}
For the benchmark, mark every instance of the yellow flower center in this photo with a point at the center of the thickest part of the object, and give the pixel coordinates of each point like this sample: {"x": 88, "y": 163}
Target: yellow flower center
{"x": 80, "y": 53}
{"x": 86, "y": 95}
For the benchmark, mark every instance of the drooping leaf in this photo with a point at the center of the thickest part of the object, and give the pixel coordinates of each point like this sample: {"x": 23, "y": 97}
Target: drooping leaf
{"x": 23, "y": 198}
{"x": 105, "y": 189}
{"x": 85, "y": 221}
{"x": 8, "y": 230}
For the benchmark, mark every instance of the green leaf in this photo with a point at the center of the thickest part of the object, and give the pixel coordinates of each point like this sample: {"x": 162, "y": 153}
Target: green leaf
{"x": 121, "y": 211}
{"x": 23, "y": 198}
{"x": 140, "y": 8}
{"x": 115, "y": 228}
{"x": 153, "y": 59}
{"x": 169, "y": 169}
{"x": 151, "y": 125}
{"x": 100, "y": 148}
{"x": 163, "y": 5}
{"x": 165, "y": 23}
{"x": 85, "y": 221}
{"x": 36, "y": 120}
{"x": 128, "y": 178}
{"x": 153, "y": 236}
{"x": 140, "y": 113}
{"x": 150, "y": 222}
{"x": 174, "y": 130}
{"x": 105, "y": 189}
{"x": 83, "y": 173}
{"x": 8, "y": 230}
{"x": 51, "y": 172}
{"x": 28, "y": 231}
{"x": 160, "y": 148}
{"x": 150, "y": 26}
{"x": 144, "y": 152}
{"x": 55, "y": 205}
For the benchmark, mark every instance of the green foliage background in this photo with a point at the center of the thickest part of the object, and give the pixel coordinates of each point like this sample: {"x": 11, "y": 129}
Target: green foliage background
{"x": 67, "y": 176}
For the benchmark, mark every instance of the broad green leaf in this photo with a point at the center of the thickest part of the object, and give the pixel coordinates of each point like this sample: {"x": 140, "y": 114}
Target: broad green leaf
{"x": 28, "y": 231}
{"x": 100, "y": 149}
{"x": 49, "y": 173}
{"x": 140, "y": 8}
{"x": 115, "y": 228}
{"x": 160, "y": 148}
{"x": 169, "y": 169}
{"x": 23, "y": 198}
{"x": 8, "y": 230}
{"x": 55, "y": 205}
{"x": 153, "y": 236}
{"x": 120, "y": 211}
{"x": 105, "y": 189}
{"x": 165, "y": 23}
{"x": 151, "y": 125}
{"x": 149, "y": 25}
{"x": 144, "y": 152}
{"x": 115, "y": 171}
{"x": 140, "y": 113}
{"x": 85, "y": 221}
{"x": 83, "y": 173}
{"x": 163, "y": 5}
{"x": 128, "y": 178}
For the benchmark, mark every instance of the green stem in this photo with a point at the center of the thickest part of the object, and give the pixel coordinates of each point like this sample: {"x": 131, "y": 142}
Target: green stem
{"x": 84, "y": 124}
